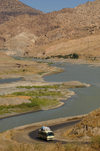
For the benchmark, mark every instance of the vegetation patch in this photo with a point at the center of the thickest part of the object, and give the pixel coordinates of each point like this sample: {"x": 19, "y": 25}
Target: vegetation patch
{"x": 40, "y": 97}
{"x": 41, "y": 87}
{"x": 69, "y": 56}
{"x": 35, "y": 104}
{"x": 38, "y": 93}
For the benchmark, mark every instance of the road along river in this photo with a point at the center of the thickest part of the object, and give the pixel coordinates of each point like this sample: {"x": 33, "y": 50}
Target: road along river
{"x": 85, "y": 100}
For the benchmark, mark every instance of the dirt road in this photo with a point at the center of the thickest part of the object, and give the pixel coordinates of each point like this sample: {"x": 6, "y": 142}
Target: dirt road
{"x": 29, "y": 135}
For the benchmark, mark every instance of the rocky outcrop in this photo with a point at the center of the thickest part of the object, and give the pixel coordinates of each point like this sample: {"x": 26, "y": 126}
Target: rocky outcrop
{"x": 88, "y": 127}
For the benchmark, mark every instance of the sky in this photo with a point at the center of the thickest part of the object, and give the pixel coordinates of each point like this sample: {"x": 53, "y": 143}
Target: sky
{"x": 52, "y": 5}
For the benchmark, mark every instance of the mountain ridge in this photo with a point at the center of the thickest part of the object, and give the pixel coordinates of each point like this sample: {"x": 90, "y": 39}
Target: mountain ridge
{"x": 38, "y": 33}
{"x": 9, "y": 8}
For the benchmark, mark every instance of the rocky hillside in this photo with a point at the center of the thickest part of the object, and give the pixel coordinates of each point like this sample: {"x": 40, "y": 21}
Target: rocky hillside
{"x": 70, "y": 30}
{"x": 9, "y": 8}
{"x": 87, "y": 128}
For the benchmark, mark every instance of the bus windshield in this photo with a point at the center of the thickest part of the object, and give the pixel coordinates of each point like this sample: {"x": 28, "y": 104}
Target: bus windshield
{"x": 50, "y": 134}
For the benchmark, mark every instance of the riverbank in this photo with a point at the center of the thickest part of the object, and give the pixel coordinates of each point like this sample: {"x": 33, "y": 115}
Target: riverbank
{"x": 89, "y": 61}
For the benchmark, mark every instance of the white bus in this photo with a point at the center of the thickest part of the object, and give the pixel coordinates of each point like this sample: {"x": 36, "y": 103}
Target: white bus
{"x": 46, "y": 134}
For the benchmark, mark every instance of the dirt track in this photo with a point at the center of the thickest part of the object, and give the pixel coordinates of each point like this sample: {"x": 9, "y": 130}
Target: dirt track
{"x": 29, "y": 134}
{"x": 33, "y": 134}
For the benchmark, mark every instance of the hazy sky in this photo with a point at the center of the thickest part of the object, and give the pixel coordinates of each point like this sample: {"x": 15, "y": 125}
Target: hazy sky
{"x": 51, "y": 5}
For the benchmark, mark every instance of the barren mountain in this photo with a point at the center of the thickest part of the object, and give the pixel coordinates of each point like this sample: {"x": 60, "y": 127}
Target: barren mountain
{"x": 70, "y": 30}
{"x": 9, "y": 8}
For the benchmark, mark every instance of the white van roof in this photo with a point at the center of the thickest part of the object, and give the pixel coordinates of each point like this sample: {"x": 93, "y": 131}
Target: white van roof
{"x": 45, "y": 128}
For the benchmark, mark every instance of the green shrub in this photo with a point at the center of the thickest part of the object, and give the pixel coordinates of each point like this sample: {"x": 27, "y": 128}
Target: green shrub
{"x": 74, "y": 56}
{"x": 38, "y": 93}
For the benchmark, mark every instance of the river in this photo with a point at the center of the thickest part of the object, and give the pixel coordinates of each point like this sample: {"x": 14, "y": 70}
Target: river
{"x": 10, "y": 80}
{"x": 85, "y": 100}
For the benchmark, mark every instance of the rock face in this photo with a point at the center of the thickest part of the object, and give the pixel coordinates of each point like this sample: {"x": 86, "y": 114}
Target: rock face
{"x": 27, "y": 31}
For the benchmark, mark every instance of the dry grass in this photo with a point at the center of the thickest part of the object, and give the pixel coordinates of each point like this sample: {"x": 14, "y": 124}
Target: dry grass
{"x": 49, "y": 147}
{"x": 95, "y": 142}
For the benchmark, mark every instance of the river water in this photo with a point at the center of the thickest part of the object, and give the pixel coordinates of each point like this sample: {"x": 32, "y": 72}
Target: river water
{"x": 85, "y": 100}
{"x": 10, "y": 80}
